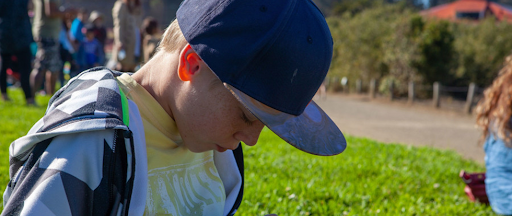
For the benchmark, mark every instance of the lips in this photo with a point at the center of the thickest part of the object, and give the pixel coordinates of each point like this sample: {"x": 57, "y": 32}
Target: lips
{"x": 220, "y": 149}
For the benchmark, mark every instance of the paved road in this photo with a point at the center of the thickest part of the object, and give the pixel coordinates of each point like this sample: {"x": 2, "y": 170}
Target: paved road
{"x": 397, "y": 122}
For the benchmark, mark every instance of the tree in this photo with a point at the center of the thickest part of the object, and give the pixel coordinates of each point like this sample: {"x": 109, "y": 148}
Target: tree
{"x": 436, "y": 48}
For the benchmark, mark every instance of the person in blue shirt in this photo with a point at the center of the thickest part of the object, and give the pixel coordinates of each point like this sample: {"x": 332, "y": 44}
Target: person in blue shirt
{"x": 90, "y": 51}
{"x": 494, "y": 112}
{"x": 78, "y": 24}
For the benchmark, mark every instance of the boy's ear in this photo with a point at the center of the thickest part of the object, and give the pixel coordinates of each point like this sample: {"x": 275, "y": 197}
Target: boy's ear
{"x": 189, "y": 63}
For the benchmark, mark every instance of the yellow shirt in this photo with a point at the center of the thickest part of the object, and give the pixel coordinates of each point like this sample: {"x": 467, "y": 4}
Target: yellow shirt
{"x": 180, "y": 182}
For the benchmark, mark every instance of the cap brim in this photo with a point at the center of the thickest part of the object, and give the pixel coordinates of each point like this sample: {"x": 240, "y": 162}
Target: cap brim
{"x": 312, "y": 131}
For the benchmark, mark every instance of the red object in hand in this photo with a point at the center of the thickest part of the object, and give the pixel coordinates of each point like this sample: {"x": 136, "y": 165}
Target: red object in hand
{"x": 475, "y": 186}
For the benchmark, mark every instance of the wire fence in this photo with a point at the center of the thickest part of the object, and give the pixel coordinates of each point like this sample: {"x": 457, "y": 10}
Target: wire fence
{"x": 459, "y": 98}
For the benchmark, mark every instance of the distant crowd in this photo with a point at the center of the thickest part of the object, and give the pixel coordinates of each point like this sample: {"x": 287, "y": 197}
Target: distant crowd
{"x": 41, "y": 41}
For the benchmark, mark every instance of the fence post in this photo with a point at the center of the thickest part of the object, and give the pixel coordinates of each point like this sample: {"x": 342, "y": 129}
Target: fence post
{"x": 470, "y": 98}
{"x": 391, "y": 89}
{"x": 411, "y": 93}
{"x": 334, "y": 85}
{"x": 344, "y": 85}
{"x": 436, "y": 98}
{"x": 359, "y": 86}
{"x": 327, "y": 82}
{"x": 373, "y": 84}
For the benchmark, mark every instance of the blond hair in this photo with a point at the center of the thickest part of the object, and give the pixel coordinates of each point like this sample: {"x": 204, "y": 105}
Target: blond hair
{"x": 495, "y": 108}
{"x": 173, "y": 39}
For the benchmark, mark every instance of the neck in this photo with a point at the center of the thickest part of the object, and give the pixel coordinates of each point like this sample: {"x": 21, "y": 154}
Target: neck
{"x": 159, "y": 78}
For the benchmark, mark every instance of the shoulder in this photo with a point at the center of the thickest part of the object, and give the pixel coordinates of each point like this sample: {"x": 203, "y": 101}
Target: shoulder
{"x": 60, "y": 172}
{"x": 95, "y": 88}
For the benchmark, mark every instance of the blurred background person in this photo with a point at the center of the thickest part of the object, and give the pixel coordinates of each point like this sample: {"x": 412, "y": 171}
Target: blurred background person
{"x": 137, "y": 16}
{"x": 15, "y": 40}
{"x": 77, "y": 26}
{"x": 100, "y": 32}
{"x": 90, "y": 52}
{"x": 493, "y": 117}
{"x": 125, "y": 34}
{"x": 46, "y": 28}
{"x": 151, "y": 37}
{"x": 66, "y": 49}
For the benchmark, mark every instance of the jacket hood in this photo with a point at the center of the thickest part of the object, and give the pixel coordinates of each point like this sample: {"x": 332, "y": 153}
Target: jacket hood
{"x": 90, "y": 101}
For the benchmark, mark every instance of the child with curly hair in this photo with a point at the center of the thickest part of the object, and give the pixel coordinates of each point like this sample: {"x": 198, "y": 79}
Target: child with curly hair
{"x": 493, "y": 117}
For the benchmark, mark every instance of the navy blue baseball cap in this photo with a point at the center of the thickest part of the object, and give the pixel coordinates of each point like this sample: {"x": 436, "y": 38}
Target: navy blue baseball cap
{"x": 272, "y": 55}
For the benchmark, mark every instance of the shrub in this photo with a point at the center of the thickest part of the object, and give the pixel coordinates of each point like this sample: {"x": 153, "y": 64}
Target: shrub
{"x": 481, "y": 49}
{"x": 392, "y": 42}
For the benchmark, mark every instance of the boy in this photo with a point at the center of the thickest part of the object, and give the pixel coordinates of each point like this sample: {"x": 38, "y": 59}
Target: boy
{"x": 224, "y": 69}
{"x": 90, "y": 52}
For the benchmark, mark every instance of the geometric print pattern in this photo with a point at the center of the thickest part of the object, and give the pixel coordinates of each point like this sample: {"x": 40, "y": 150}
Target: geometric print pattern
{"x": 74, "y": 160}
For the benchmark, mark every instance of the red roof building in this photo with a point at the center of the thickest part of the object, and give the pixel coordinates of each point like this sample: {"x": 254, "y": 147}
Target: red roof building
{"x": 470, "y": 9}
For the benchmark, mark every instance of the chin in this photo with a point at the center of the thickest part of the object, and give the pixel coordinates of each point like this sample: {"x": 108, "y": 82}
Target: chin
{"x": 198, "y": 150}
{"x": 195, "y": 148}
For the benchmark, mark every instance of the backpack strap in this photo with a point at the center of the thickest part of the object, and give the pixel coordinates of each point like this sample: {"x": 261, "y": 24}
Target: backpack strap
{"x": 128, "y": 153}
{"x": 124, "y": 104}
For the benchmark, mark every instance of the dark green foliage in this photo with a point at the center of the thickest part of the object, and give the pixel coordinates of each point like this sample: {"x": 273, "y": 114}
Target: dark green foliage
{"x": 436, "y": 52}
{"x": 392, "y": 43}
{"x": 354, "y": 7}
{"x": 359, "y": 42}
{"x": 481, "y": 50}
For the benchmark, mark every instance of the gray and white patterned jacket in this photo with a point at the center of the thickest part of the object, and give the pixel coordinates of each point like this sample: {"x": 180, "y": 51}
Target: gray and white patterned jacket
{"x": 87, "y": 155}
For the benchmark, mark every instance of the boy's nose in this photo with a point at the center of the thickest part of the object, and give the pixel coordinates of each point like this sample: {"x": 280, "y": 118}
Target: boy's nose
{"x": 250, "y": 134}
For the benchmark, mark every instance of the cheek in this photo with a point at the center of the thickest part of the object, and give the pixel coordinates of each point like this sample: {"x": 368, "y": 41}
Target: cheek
{"x": 207, "y": 120}
{"x": 219, "y": 123}
{"x": 209, "y": 117}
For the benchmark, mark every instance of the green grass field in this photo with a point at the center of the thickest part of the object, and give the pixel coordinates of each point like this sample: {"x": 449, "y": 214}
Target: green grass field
{"x": 369, "y": 178}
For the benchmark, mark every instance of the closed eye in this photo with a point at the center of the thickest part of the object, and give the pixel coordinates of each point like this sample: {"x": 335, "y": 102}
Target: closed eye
{"x": 246, "y": 120}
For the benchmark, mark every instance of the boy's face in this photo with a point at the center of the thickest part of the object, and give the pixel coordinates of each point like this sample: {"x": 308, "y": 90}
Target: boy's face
{"x": 209, "y": 117}
{"x": 89, "y": 35}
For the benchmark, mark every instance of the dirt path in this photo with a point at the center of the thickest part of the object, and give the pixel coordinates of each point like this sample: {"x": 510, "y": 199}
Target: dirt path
{"x": 400, "y": 123}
